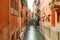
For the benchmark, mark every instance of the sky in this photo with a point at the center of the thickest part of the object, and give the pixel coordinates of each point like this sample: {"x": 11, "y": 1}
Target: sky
{"x": 30, "y": 3}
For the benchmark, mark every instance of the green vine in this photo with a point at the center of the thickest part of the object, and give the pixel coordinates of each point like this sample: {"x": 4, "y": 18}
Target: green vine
{"x": 25, "y": 1}
{"x": 51, "y": 5}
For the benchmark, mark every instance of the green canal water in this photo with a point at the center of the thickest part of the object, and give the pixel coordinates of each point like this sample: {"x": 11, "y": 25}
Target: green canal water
{"x": 33, "y": 34}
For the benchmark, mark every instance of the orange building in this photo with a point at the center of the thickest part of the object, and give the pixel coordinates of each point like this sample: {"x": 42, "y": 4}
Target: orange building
{"x": 4, "y": 20}
{"x": 10, "y": 19}
{"x": 23, "y": 14}
{"x": 14, "y": 11}
{"x": 57, "y": 15}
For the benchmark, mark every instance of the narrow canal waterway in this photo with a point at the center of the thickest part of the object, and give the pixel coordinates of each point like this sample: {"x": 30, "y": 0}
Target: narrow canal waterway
{"x": 33, "y": 34}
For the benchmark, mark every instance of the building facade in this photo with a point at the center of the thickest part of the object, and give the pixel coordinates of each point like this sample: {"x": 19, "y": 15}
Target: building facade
{"x": 11, "y": 22}
{"x": 23, "y": 15}
{"x": 49, "y": 15}
{"x": 45, "y": 11}
{"x": 49, "y": 19}
{"x": 4, "y": 22}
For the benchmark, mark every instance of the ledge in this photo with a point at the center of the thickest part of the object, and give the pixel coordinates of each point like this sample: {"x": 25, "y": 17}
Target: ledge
{"x": 47, "y": 25}
{"x": 14, "y": 12}
{"x": 57, "y": 29}
{"x": 54, "y": 28}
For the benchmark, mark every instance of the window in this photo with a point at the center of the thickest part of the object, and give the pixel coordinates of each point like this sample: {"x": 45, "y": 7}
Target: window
{"x": 21, "y": 14}
{"x": 17, "y": 35}
{"x": 14, "y": 4}
{"x": 48, "y": 18}
{"x": 12, "y": 37}
{"x": 58, "y": 17}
